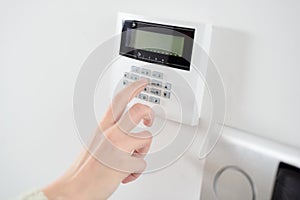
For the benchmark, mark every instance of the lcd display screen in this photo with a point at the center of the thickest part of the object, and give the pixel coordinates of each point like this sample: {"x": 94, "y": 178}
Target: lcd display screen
{"x": 156, "y": 42}
{"x": 162, "y": 44}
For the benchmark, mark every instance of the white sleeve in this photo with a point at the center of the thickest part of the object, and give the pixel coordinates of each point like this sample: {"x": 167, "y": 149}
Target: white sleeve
{"x": 33, "y": 195}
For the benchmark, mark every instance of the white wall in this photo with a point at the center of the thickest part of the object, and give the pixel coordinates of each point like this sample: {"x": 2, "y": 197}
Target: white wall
{"x": 43, "y": 44}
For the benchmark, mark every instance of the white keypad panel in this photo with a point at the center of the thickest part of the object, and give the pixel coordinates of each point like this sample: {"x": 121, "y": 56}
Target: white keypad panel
{"x": 157, "y": 87}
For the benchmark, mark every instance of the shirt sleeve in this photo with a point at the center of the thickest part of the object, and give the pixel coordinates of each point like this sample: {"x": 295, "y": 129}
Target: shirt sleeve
{"x": 33, "y": 195}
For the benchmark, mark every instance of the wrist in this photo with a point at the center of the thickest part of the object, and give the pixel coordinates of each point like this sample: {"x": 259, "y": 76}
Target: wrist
{"x": 56, "y": 191}
{"x": 91, "y": 181}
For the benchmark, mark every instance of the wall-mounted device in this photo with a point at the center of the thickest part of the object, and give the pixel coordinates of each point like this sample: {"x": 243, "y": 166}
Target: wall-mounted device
{"x": 163, "y": 52}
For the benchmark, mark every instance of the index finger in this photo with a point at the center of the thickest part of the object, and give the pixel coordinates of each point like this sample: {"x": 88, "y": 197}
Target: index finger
{"x": 120, "y": 101}
{"x": 134, "y": 116}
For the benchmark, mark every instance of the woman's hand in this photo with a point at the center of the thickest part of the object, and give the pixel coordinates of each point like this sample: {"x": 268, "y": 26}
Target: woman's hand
{"x": 113, "y": 156}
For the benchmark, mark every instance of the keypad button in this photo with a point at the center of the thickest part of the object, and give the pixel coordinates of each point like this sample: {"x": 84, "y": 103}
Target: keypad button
{"x": 135, "y": 69}
{"x": 155, "y": 91}
{"x": 166, "y": 94}
{"x": 126, "y": 75}
{"x": 154, "y": 100}
{"x": 134, "y": 77}
{"x": 125, "y": 82}
{"x": 146, "y": 72}
{"x": 156, "y": 83}
{"x": 156, "y": 87}
{"x": 156, "y": 74}
{"x": 168, "y": 86}
{"x": 143, "y": 97}
{"x": 146, "y": 89}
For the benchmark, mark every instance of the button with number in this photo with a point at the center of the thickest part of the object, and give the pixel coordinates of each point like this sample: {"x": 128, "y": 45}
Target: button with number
{"x": 166, "y": 94}
{"x": 134, "y": 77}
{"x": 168, "y": 86}
{"x": 146, "y": 72}
{"x": 135, "y": 69}
{"x": 156, "y": 74}
{"x": 156, "y": 83}
{"x": 154, "y": 100}
{"x": 155, "y": 91}
{"x": 143, "y": 97}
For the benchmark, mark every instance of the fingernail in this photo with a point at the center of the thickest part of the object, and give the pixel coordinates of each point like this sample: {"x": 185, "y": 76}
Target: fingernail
{"x": 144, "y": 80}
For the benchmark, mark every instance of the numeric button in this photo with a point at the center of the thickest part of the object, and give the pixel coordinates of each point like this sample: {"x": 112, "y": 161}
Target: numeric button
{"x": 155, "y": 91}
{"x": 143, "y": 96}
{"x": 134, "y": 77}
{"x": 154, "y": 100}
{"x": 156, "y": 74}
{"x": 135, "y": 69}
{"x": 156, "y": 83}
{"x": 146, "y": 72}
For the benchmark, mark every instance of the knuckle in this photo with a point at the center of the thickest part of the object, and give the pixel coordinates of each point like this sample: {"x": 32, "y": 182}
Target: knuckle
{"x": 113, "y": 135}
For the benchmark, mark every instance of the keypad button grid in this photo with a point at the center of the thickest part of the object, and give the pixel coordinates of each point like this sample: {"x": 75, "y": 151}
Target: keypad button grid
{"x": 157, "y": 88}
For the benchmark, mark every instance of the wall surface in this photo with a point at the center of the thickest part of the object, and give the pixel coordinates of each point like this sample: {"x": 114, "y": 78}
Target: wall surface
{"x": 43, "y": 44}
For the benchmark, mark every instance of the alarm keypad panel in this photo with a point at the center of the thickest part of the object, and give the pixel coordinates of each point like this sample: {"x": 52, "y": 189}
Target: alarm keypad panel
{"x": 157, "y": 87}
{"x": 163, "y": 52}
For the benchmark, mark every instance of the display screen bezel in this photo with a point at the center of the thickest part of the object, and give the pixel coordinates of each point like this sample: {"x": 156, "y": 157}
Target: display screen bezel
{"x": 180, "y": 62}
